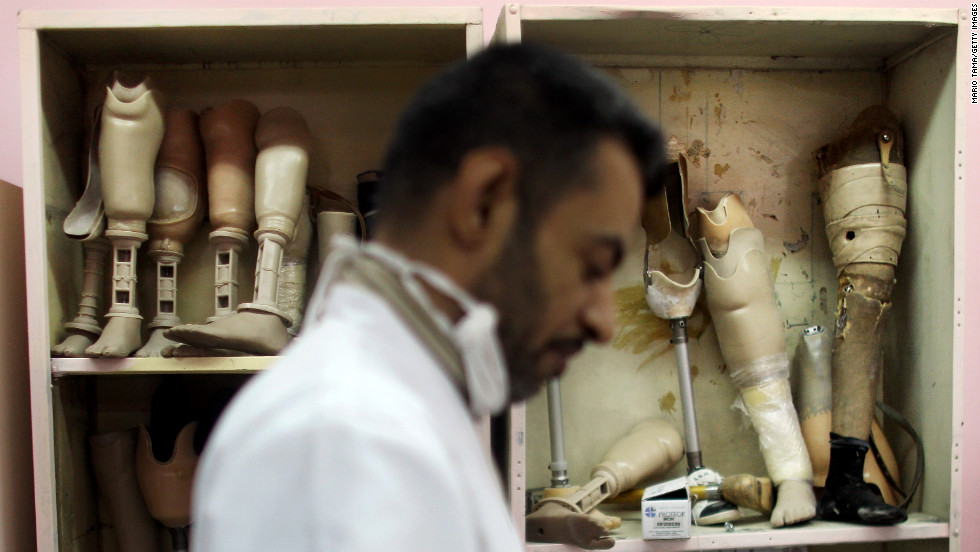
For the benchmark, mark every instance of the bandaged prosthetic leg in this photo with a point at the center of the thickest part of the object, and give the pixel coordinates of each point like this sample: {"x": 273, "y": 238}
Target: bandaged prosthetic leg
{"x": 132, "y": 129}
{"x": 557, "y": 523}
{"x": 741, "y": 299}
{"x": 259, "y": 327}
{"x": 166, "y": 483}
{"x": 114, "y": 464}
{"x": 651, "y": 448}
{"x": 863, "y": 188}
{"x": 814, "y": 403}
{"x": 178, "y": 211}
{"x": 672, "y": 275}
{"x": 292, "y": 275}
{"x": 86, "y": 223}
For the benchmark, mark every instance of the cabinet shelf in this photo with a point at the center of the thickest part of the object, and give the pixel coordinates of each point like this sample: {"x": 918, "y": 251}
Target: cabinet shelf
{"x": 130, "y": 366}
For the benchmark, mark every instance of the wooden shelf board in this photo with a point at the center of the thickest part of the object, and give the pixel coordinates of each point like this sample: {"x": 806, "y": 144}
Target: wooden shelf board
{"x": 123, "y": 366}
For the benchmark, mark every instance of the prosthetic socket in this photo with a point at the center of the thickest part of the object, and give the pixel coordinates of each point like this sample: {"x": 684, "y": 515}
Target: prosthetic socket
{"x": 741, "y": 300}
{"x": 132, "y": 130}
{"x": 114, "y": 465}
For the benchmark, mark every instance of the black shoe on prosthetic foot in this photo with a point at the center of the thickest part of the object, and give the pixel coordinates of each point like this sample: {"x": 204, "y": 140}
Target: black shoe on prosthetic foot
{"x": 846, "y": 496}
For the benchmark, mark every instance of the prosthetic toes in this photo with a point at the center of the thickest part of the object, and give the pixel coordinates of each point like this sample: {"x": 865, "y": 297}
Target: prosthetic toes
{"x": 846, "y": 496}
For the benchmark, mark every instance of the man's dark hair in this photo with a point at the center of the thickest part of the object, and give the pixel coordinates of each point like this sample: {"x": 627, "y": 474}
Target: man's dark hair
{"x": 548, "y": 108}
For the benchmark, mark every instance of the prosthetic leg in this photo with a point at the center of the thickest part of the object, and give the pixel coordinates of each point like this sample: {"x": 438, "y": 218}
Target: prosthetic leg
{"x": 292, "y": 275}
{"x": 814, "y": 404}
{"x": 114, "y": 464}
{"x": 558, "y": 523}
{"x": 741, "y": 299}
{"x": 330, "y": 223}
{"x": 672, "y": 275}
{"x": 651, "y": 448}
{"x": 132, "y": 129}
{"x": 86, "y": 223}
{"x": 863, "y": 188}
{"x": 259, "y": 327}
{"x": 178, "y": 210}
{"x": 167, "y": 483}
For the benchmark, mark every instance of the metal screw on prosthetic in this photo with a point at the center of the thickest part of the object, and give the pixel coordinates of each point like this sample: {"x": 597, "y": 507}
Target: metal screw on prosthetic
{"x": 132, "y": 130}
{"x": 864, "y": 190}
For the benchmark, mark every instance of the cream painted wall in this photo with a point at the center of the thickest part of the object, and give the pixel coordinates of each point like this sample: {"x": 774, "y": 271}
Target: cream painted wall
{"x": 16, "y": 517}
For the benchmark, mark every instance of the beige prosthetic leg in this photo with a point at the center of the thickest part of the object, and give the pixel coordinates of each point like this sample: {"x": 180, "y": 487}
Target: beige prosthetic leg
{"x": 166, "y": 484}
{"x": 132, "y": 129}
{"x": 114, "y": 464}
{"x": 178, "y": 211}
{"x": 651, "y": 448}
{"x": 741, "y": 299}
{"x": 259, "y": 327}
{"x": 814, "y": 406}
{"x": 863, "y": 187}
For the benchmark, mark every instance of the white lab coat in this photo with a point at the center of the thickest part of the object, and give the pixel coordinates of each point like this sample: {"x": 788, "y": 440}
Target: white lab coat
{"x": 355, "y": 440}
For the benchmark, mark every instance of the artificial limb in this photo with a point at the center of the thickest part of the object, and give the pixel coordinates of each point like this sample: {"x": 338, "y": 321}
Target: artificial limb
{"x": 813, "y": 402}
{"x": 672, "y": 275}
{"x": 166, "y": 483}
{"x": 741, "y": 300}
{"x": 292, "y": 275}
{"x": 132, "y": 130}
{"x": 114, "y": 464}
{"x": 86, "y": 223}
{"x": 259, "y": 327}
{"x": 178, "y": 210}
{"x": 863, "y": 188}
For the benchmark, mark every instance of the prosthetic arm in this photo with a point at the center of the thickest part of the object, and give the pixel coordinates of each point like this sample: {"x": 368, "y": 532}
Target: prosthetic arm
{"x": 132, "y": 129}
{"x": 741, "y": 299}
{"x": 863, "y": 188}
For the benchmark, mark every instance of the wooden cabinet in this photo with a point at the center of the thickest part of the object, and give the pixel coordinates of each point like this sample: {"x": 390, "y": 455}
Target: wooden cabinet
{"x": 754, "y": 92}
{"x": 348, "y": 71}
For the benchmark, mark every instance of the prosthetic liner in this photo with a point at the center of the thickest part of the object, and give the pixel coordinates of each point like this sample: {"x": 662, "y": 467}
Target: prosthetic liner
{"x": 672, "y": 274}
{"x": 178, "y": 210}
{"x": 259, "y": 327}
{"x": 132, "y": 129}
{"x": 741, "y": 299}
{"x": 863, "y": 188}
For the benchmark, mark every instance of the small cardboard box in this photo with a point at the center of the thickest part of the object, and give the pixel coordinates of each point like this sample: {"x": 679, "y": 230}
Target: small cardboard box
{"x": 666, "y": 510}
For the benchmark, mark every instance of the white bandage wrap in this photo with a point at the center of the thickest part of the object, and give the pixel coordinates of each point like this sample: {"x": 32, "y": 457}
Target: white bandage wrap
{"x": 864, "y": 206}
{"x": 770, "y": 407}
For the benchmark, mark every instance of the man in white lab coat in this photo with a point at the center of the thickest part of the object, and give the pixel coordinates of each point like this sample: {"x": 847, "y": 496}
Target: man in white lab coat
{"x": 511, "y": 186}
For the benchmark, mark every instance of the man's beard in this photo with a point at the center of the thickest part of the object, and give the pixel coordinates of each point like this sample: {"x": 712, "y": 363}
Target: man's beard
{"x": 513, "y": 287}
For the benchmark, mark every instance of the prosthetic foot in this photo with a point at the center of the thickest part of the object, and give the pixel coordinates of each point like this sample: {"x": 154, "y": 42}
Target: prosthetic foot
{"x": 114, "y": 464}
{"x": 741, "y": 299}
{"x": 259, "y": 327}
{"x": 132, "y": 129}
{"x": 672, "y": 275}
{"x": 166, "y": 483}
{"x": 863, "y": 188}
{"x": 178, "y": 211}
{"x": 651, "y": 448}
{"x": 814, "y": 403}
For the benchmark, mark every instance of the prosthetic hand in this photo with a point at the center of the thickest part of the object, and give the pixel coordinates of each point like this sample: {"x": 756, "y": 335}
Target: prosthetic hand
{"x": 814, "y": 403}
{"x": 167, "y": 483}
{"x": 178, "y": 210}
{"x": 741, "y": 299}
{"x": 132, "y": 129}
{"x": 863, "y": 188}
{"x": 114, "y": 465}
{"x": 652, "y": 447}
{"x": 259, "y": 327}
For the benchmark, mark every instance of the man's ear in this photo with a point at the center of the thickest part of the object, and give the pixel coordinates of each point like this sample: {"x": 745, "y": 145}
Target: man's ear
{"x": 484, "y": 202}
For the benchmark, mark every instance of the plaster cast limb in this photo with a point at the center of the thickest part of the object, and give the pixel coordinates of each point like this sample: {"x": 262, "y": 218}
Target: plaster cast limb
{"x": 259, "y": 327}
{"x": 166, "y": 482}
{"x": 84, "y": 329}
{"x": 228, "y": 132}
{"x": 178, "y": 210}
{"x": 741, "y": 299}
{"x": 814, "y": 406}
{"x": 292, "y": 275}
{"x": 863, "y": 189}
{"x": 114, "y": 464}
{"x": 132, "y": 129}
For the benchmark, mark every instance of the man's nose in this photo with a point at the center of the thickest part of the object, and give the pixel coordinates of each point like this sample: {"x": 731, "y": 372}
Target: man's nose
{"x": 599, "y": 314}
